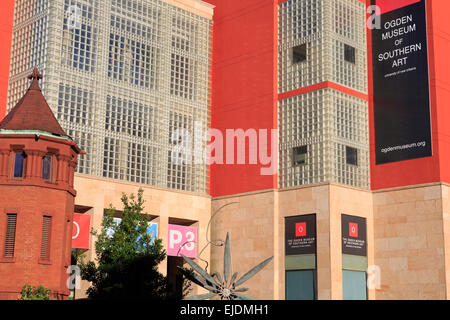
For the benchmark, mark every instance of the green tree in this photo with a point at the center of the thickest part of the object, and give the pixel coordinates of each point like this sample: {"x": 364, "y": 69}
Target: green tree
{"x": 127, "y": 260}
{"x": 30, "y": 292}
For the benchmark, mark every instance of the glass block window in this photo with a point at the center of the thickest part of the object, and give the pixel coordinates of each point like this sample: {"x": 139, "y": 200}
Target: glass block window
{"x": 79, "y": 36}
{"x": 132, "y": 61}
{"x": 181, "y": 76}
{"x": 127, "y": 161}
{"x": 179, "y": 168}
{"x": 301, "y": 49}
{"x": 85, "y": 141}
{"x": 327, "y": 122}
{"x": 129, "y": 117}
{"x": 75, "y": 105}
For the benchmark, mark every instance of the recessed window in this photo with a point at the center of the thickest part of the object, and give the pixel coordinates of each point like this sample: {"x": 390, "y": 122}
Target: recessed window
{"x": 46, "y": 167}
{"x": 351, "y": 156}
{"x": 45, "y": 243}
{"x": 10, "y": 237}
{"x": 19, "y": 162}
{"x": 299, "y": 53}
{"x": 299, "y": 155}
{"x": 349, "y": 54}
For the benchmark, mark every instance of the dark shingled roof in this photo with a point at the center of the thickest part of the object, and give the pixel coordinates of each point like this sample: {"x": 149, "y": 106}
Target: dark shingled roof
{"x": 32, "y": 111}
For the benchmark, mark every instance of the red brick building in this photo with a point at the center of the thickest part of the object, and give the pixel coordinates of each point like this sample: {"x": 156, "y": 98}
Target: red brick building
{"x": 37, "y": 163}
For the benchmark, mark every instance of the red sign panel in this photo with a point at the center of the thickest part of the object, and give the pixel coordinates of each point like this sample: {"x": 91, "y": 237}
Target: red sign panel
{"x": 391, "y": 5}
{"x": 300, "y": 229}
{"x": 353, "y": 230}
{"x": 81, "y": 231}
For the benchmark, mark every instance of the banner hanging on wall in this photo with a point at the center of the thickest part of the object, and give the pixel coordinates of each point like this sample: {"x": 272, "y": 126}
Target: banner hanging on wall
{"x": 300, "y": 235}
{"x": 354, "y": 235}
{"x": 401, "y": 82}
{"x": 81, "y": 231}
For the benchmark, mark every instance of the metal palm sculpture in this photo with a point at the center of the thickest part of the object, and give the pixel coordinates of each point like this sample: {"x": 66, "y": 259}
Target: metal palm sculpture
{"x": 223, "y": 287}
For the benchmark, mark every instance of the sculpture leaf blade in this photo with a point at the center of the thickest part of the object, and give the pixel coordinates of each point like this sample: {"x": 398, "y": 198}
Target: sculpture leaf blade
{"x": 227, "y": 259}
{"x": 234, "y": 277}
{"x": 199, "y": 269}
{"x": 252, "y": 272}
{"x": 193, "y": 277}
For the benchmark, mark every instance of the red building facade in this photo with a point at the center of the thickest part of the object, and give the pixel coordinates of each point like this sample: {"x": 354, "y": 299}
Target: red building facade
{"x": 37, "y": 162}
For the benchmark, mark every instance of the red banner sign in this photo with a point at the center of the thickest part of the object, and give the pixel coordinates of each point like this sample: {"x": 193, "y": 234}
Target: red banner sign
{"x": 81, "y": 231}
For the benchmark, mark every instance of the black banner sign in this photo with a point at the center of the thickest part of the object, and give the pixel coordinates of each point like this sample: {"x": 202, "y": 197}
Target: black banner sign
{"x": 401, "y": 85}
{"x": 354, "y": 235}
{"x": 300, "y": 235}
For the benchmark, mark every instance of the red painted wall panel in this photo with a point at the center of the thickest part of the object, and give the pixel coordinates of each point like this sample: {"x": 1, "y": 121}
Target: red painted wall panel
{"x": 6, "y": 24}
{"x": 439, "y": 40}
{"x": 244, "y": 84}
{"x": 390, "y": 5}
{"x": 435, "y": 168}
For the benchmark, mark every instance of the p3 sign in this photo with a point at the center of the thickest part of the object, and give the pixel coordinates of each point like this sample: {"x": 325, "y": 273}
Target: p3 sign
{"x": 81, "y": 231}
{"x": 182, "y": 241}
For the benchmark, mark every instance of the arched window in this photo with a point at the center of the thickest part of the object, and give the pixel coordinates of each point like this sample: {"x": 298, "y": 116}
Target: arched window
{"x": 19, "y": 165}
{"x": 47, "y": 167}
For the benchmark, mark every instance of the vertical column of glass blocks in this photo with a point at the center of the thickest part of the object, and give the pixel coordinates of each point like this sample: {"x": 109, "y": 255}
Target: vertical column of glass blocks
{"x": 301, "y": 25}
{"x": 115, "y": 73}
{"x": 349, "y": 44}
{"x": 324, "y": 133}
{"x": 302, "y": 124}
{"x": 28, "y": 46}
{"x": 349, "y": 128}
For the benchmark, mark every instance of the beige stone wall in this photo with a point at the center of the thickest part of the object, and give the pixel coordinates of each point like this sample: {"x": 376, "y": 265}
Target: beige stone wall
{"x": 256, "y": 227}
{"x": 328, "y": 202}
{"x": 249, "y": 219}
{"x": 446, "y": 230}
{"x": 99, "y": 193}
{"x": 409, "y": 241}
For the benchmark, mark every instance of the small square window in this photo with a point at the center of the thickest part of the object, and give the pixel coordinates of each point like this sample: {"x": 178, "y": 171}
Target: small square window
{"x": 299, "y": 155}
{"x": 351, "y": 156}
{"x": 299, "y": 53}
{"x": 349, "y": 54}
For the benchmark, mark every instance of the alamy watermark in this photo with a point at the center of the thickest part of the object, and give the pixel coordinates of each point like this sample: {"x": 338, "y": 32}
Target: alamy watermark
{"x": 74, "y": 280}
{"x": 73, "y": 14}
{"x": 231, "y": 146}
{"x": 374, "y": 277}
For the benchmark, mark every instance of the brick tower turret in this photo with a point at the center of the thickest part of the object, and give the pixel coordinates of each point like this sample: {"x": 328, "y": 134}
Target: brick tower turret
{"x": 37, "y": 163}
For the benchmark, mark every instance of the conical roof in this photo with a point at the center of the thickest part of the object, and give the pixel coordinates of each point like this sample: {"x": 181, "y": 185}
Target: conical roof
{"x": 32, "y": 111}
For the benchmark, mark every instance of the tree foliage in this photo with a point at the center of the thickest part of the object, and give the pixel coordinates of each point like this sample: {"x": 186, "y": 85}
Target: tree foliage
{"x": 127, "y": 260}
{"x": 30, "y": 292}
